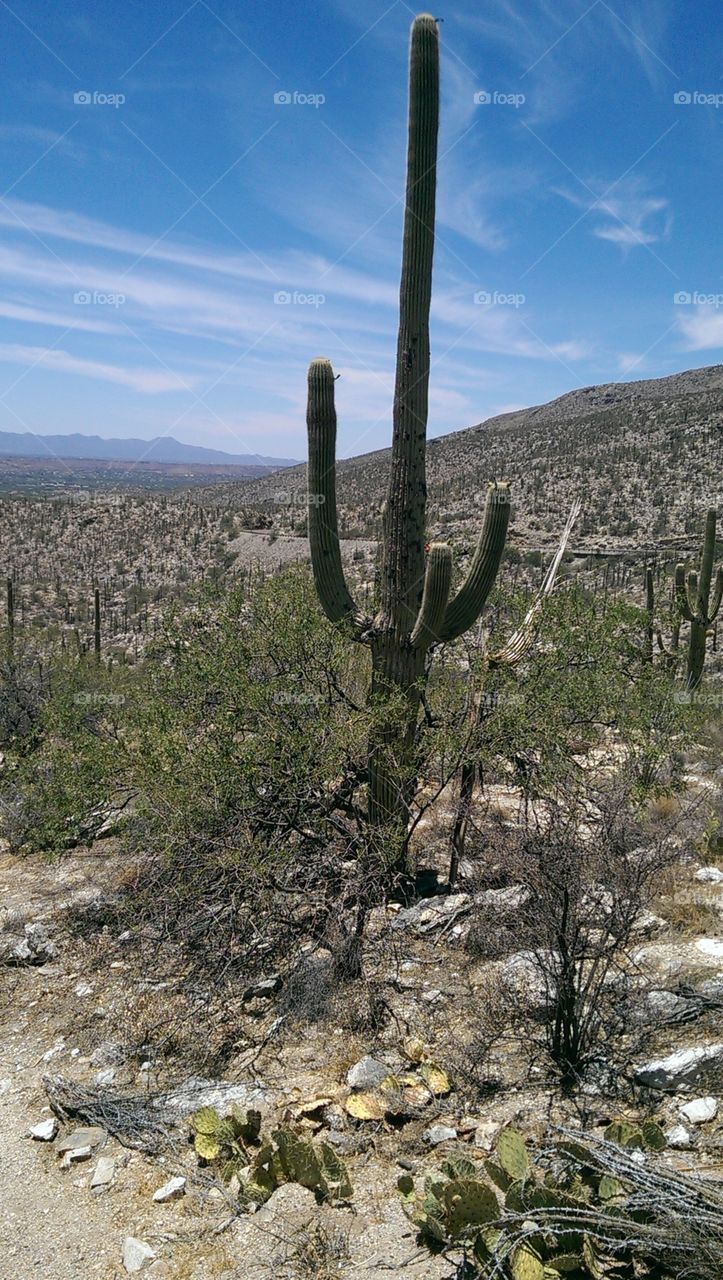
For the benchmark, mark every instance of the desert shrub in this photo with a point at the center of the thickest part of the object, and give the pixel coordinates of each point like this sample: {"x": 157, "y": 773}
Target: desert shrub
{"x": 75, "y": 763}
{"x": 246, "y": 764}
{"x": 585, "y": 868}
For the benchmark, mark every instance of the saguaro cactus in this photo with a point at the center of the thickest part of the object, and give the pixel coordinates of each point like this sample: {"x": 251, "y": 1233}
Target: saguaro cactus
{"x": 11, "y": 618}
{"x": 695, "y": 602}
{"x": 96, "y": 624}
{"x": 415, "y": 606}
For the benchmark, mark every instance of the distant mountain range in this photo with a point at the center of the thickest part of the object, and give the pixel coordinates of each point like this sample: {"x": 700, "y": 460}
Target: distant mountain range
{"x": 164, "y": 449}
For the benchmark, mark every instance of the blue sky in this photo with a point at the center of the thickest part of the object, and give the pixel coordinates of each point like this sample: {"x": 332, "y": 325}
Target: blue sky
{"x": 176, "y": 243}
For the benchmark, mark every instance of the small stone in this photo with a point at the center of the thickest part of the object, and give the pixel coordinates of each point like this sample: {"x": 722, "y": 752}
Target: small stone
{"x": 136, "y": 1253}
{"x": 34, "y": 948}
{"x": 486, "y": 1133}
{"x": 171, "y": 1190}
{"x": 678, "y": 1137}
{"x": 108, "y": 1054}
{"x": 103, "y": 1173}
{"x": 647, "y": 924}
{"x": 106, "y": 1077}
{"x": 438, "y": 1133}
{"x": 45, "y": 1131}
{"x": 79, "y": 1138}
{"x": 76, "y": 1156}
{"x": 84, "y": 989}
{"x": 700, "y": 1110}
{"x": 710, "y": 875}
{"x": 264, "y": 989}
{"x": 367, "y": 1073}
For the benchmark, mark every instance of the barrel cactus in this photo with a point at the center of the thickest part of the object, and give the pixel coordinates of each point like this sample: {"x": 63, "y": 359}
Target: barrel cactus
{"x": 416, "y": 608}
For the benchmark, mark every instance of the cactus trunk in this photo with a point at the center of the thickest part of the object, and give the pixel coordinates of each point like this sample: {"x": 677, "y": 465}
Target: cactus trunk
{"x": 414, "y": 609}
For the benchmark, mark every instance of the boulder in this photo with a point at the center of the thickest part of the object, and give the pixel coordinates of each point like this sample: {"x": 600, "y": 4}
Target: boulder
{"x": 681, "y": 1069}
{"x": 433, "y": 913}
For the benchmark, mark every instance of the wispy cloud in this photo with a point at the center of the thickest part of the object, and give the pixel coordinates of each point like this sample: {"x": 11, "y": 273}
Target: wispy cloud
{"x": 702, "y": 328}
{"x": 626, "y": 214}
{"x": 147, "y": 381}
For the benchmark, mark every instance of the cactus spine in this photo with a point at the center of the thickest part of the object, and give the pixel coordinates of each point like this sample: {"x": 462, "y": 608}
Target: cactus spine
{"x": 695, "y": 602}
{"x": 415, "y": 609}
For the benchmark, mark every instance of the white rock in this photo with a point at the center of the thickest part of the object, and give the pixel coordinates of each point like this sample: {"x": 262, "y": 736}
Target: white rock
{"x": 700, "y": 1110}
{"x": 438, "y": 1133}
{"x": 105, "y": 1077}
{"x": 136, "y": 1253}
{"x": 367, "y": 1073}
{"x": 103, "y": 1173}
{"x": 76, "y": 1156}
{"x": 711, "y": 947}
{"x": 679, "y": 1069}
{"x": 711, "y": 875}
{"x": 84, "y": 989}
{"x": 45, "y": 1131}
{"x": 171, "y": 1190}
{"x": 647, "y": 924}
{"x": 678, "y": 1137}
{"x": 486, "y": 1134}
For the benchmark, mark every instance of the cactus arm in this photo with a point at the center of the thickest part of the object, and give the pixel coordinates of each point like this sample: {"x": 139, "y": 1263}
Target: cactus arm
{"x": 331, "y": 587}
{"x": 520, "y": 642}
{"x": 702, "y": 595}
{"x": 717, "y": 595}
{"x": 462, "y": 612}
{"x": 693, "y": 595}
{"x": 437, "y": 581}
{"x": 681, "y": 594}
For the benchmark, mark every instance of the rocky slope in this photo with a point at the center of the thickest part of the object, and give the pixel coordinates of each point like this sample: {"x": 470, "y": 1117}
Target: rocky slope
{"x": 645, "y": 457}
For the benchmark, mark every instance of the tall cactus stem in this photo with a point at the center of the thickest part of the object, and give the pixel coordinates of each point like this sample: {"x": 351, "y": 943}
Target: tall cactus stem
{"x": 96, "y": 624}
{"x": 331, "y": 587}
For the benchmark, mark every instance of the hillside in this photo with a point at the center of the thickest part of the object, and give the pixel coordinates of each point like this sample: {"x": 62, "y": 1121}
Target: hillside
{"x": 645, "y": 457}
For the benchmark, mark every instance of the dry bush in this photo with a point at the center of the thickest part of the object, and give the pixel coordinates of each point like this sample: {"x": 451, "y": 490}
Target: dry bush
{"x": 586, "y": 870}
